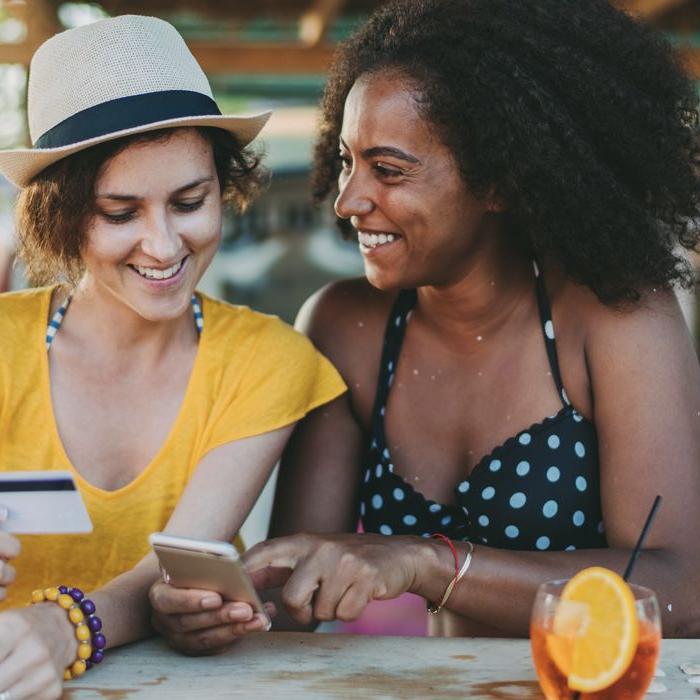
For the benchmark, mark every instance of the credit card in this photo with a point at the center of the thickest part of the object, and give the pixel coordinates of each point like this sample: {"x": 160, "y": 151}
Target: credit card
{"x": 42, "y": 503}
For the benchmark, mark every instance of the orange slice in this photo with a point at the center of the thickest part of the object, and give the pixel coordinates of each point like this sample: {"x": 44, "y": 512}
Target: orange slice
{"x": 594, "y": 649}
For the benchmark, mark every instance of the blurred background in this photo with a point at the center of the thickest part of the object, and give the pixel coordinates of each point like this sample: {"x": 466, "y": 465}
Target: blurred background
{"x": 264, "y": 54}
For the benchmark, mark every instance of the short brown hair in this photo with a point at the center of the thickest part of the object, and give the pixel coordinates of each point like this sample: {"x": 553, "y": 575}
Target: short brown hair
{"x": 54, "y": 209}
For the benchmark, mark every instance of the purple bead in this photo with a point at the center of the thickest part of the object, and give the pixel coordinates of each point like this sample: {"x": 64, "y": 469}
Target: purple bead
{"x": 76, "y": 594}
{"x": 97, "y": 656}
{"x": 99, "y": 641}
{"x": 88, "y": 664}
{"x": 94, "y": 623}
{"x": 63, "y": 589}
{"x": 87, "y": 606}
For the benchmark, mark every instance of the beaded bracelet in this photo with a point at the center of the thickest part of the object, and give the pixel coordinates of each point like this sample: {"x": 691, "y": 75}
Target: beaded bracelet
{"x": 459, "y": 573}
{"x": 81, "y": 612}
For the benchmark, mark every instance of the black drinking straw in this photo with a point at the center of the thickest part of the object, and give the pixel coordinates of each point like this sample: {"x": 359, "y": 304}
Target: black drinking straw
{"x": 635, "y": 554}
{"x": 642, "y": 537}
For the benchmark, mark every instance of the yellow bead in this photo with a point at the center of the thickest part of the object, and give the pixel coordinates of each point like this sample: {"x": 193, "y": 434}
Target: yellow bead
{"x": 76, "y": 615}
{"x": 78, "y": 668}
{"x": 65, "y": 601}
{"x": 82, "y": 632}
{"x": 52, "y": 593}
{"x": 67, "y": 675}
{"x": 37, "y": 596}
{"x": 84, "y": 650}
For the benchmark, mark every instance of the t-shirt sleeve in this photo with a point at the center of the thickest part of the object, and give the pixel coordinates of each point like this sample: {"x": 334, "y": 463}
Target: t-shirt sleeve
{"x": 283, "y": 378}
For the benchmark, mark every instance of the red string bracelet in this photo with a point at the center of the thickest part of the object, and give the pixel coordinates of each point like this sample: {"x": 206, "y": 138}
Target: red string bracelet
{"x": 453, "y": 549}
{"x": 434, "y": 609}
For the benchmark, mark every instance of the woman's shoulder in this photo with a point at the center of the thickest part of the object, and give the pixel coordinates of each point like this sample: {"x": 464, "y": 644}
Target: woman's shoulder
{"x": 344, "y": 315}
{"x": 24, "y": 308}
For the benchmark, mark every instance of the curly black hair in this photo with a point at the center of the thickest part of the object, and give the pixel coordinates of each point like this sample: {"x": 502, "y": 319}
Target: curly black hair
{"x": 579, "y": 118}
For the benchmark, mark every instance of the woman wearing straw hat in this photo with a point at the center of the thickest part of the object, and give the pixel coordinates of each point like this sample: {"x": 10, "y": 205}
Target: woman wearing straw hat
{"x": 168, "y": 407}
{"x": 520, "y": 176}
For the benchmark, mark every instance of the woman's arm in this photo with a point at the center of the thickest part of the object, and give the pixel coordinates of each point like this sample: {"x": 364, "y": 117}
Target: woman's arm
{"x": 646, "y": 386}
{"x": 214, "y": 504}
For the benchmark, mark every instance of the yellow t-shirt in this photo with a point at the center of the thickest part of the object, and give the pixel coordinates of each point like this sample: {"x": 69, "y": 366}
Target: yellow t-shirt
{"x": 252, "y": 374}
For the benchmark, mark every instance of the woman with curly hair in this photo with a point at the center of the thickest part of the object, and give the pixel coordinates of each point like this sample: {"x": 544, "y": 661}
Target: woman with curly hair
{"x": 521, "y": 177}
{"x": 168, "y": 408}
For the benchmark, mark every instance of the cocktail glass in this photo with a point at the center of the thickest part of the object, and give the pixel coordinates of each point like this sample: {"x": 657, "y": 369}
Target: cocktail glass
{"x": 552, "y": 649}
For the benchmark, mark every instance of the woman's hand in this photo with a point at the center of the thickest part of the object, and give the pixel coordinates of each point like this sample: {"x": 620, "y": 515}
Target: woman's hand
{"x": 328, "y": 577}
{"x": 200, "y": 622}
{"x": 36, "y": 645}
{"x": 9, "y": 549}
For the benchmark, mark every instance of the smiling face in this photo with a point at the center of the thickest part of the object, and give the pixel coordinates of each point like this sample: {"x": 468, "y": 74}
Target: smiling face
{"x": 401, "y": 189}
{"x": 157, "y": 225}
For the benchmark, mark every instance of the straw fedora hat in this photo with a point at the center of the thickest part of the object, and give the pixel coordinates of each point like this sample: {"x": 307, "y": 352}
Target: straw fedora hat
{"x": 113, "y": 78}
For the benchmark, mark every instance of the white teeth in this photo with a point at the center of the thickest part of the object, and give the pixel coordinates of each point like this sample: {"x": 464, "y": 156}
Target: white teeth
{"x": 372, "y": 240}
{"x": 152, "y": 273}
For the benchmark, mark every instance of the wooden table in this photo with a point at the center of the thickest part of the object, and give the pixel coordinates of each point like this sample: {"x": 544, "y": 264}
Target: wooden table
{"x": 279, "y": 665}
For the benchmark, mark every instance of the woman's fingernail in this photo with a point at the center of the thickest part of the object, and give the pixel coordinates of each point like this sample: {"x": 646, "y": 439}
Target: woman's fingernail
{"x": 239, "y": 614}
{"x": 209, "y": 602}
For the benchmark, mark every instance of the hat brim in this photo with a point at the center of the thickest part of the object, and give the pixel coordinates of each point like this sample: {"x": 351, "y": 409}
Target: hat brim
{"x": 20, "y": 165}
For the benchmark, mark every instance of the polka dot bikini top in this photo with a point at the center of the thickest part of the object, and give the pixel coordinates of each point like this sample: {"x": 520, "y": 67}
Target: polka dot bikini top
{"x": 539, "y": 490}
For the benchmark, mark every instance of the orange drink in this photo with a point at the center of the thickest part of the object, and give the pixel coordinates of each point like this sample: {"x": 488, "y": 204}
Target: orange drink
{"x": 594, "y": 637}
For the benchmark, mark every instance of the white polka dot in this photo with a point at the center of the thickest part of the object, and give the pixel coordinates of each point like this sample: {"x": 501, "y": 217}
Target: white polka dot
{"x": 484, "y": 540}
{"x": 391, "y": 467}
{"x": 581, "y": 484}
{"x": 386, "y": 453}
{"x": 579, "y": 449}
{"x": 488, "y": 493}
{"x": 446, "y": 520}
{"x": 382, "y": 412}
{"x": 565, "y": 396}
{"x": 569, "y": 548}
{"x": 517, "y": 500}
{"x": 399, "y": 495}
{"x": 379, "y": 470}
{"x": 409, "y": 520}
{"x": 377, "y": 501}
{"x": 495, "y": 465}
{"x": 391, "y": 379}
{"x": 362, "y": 509}
{"x": 484, "y": 520}
{"x": 553, "y": 474}
{"x": 553, "y": 441}
{"x": 398, "y": 321}
{"x": 368, "y": 475}
{"x": 549, "y": 330}
{"x": 577, "y": 417}
{"x": 542, "y": 542}
{"x": 579, "y": 518}
{"x": 463, "y": 487}
{"x": 523, "y": 468}
{"x": 512, "y": 532}
{"x": 385, "y": 530}
{"x": 537, "y": 269}
{"x": 601, "y": 527}
{"x": 525, "y": 439}
{"x": 390, "y": 366}
{"x": 435, "y": 508}
{"x": 549, "y": 509}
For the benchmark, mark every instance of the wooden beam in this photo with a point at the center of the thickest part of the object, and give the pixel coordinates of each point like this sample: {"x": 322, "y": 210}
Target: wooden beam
{"x": 691, "y": 60}
{"x": 649, "y": 9}
{"x": 261, "y": 58}
{"x": 314, "y": 23}
{"x": 16, "y": 53}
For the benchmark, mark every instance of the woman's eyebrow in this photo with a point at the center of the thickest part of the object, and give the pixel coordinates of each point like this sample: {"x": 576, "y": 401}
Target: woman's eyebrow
{"x": 132, "y": 197}
{"x": 385, "y": 151}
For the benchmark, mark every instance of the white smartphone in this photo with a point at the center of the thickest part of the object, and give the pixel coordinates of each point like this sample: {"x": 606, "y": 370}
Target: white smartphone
{"x": 209, "y": 565}
{"x": 42, "y": 503}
